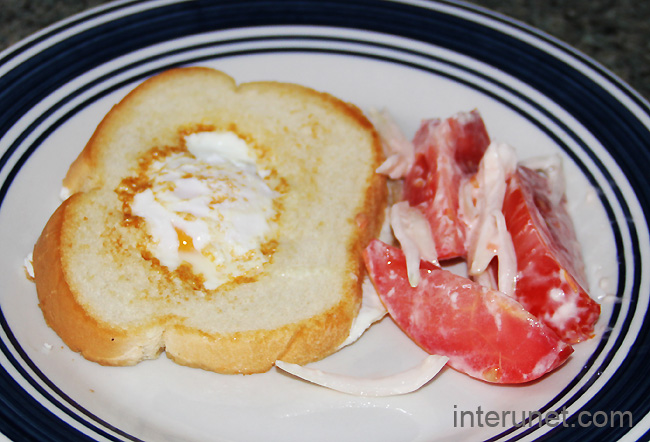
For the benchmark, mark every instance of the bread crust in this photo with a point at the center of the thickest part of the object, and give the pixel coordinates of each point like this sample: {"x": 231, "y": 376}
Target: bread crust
{"x": 95, "y": 340}
{"x": 241, "y": 352}
{"x": 245, "y": 352}
{"x": 256, "y": 351}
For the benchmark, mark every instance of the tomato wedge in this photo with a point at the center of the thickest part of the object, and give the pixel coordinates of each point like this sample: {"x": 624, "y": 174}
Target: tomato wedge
{"x": 485, "y": 334}
{"x": 551, "y": 278}
{"x": 445, "y": 152}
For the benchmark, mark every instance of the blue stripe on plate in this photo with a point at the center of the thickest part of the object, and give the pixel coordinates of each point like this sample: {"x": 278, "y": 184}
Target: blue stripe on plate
{"x": 44, "y": 136}
{"x": 23, "y": 418}
{"x": 614, "y": 125}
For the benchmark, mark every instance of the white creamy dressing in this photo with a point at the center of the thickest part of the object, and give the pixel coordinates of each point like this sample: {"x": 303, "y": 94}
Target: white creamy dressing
{"x": 214, "y": 195}
{"x": 399, "y": 150}
{"x": 413, "y": 232}
{"x": 495, "y": 310}
{"x": 481, "y": 202}
{"x": 601, "y": 288}
{"x": 565, "y": 312}
{"x": 568, "y": 309}
{"x": 543, "y": 365}
{"x": 551, "y": 166}
{"x": 601, "y": 275}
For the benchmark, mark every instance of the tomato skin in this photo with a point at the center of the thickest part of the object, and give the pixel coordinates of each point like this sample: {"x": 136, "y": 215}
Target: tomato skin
{"x": 485, "y": 334}
{"x": 420, "y": 182}
{"x": 446, "y": 151}
{"x": 551, "y": 279}
{"x": 471, "y": 140}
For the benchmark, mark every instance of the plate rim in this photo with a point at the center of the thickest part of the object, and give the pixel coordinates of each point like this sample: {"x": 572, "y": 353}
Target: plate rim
{"x": 128, "y": 3}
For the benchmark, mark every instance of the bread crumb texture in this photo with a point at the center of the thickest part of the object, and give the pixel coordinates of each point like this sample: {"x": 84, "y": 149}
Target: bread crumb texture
{"x": 107, "y": 294}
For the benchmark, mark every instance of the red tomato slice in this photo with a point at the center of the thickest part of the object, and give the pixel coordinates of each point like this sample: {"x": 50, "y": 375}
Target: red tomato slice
{"x": 471, "y": 140}
{"x": 485, "y": 334}
{"x": 445, "y": 152}
{"x": 551, "y": 279}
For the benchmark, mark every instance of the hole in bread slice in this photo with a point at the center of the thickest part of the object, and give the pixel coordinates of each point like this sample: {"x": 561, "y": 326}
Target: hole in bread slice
{"x": 108, "y": 291}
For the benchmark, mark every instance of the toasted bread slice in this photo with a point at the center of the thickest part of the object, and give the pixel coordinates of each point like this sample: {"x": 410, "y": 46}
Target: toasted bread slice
{"x": 107, "y": 294}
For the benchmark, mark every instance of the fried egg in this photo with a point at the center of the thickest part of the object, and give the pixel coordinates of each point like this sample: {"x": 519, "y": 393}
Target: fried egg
{"x": 209, "y": 207}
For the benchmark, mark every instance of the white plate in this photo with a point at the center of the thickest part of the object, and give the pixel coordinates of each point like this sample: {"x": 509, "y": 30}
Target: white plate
{"x": 416, "y": 59}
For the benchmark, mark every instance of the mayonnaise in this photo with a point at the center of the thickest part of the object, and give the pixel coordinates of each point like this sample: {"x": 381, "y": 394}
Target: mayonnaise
{"x": 481, "y": 200}
{"x": 399, "y": 150}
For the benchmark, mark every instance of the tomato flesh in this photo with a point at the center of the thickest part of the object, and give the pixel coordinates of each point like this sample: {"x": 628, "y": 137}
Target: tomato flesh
{"x": 551, "y": 278}
{"x": 445, "y": 152}
{"x": 485, "y": 334}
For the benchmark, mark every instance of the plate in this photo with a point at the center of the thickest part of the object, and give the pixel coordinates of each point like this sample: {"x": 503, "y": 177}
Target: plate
{"x": 418, "y": 60}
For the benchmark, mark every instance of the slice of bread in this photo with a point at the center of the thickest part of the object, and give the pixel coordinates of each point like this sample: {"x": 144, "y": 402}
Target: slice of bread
{"x": 104, "y": 291}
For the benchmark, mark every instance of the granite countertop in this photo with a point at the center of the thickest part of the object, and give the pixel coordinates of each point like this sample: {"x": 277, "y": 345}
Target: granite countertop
{"x": 613, "y": 32}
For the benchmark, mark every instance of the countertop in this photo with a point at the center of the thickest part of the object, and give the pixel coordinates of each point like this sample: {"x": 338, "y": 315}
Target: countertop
{"x": 615, "y": 33}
